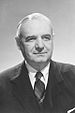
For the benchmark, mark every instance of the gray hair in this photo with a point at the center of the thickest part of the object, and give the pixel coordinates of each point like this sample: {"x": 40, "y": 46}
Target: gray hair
{"x": 31, "y": 17}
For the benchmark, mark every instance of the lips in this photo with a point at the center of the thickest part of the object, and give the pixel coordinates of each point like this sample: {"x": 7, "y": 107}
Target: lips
{"x": 40, "y": 53}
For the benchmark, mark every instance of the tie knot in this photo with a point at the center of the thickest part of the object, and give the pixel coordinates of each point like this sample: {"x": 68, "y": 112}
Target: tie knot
{"x": 38, "y": 75}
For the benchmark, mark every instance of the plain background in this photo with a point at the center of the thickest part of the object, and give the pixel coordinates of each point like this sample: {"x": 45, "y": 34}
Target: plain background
{"x": 62, "y": 15}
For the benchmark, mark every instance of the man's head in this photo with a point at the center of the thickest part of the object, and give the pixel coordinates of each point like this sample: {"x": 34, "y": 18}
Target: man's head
{"x": 35, "y": 39}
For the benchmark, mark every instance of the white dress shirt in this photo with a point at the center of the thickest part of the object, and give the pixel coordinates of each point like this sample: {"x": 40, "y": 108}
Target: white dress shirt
{"x": 32, "y": 73}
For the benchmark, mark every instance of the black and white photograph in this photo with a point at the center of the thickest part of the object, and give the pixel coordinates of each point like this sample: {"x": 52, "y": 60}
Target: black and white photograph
{"x": 37, "y": 56}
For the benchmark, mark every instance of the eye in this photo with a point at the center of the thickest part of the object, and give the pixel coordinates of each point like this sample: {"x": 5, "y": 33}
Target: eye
{"x": 46, "y": 37}
{"x": 30, "y": 38}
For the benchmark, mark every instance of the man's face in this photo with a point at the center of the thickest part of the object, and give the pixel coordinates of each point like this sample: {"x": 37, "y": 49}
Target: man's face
{"x": 37, "y": 43}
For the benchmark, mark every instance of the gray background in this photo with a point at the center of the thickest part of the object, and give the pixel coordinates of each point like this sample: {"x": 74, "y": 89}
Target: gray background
{"x": 62, "y": 14}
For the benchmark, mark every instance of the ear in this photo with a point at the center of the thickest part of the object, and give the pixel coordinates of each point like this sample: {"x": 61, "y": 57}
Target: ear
{"x": 18, "y": 42}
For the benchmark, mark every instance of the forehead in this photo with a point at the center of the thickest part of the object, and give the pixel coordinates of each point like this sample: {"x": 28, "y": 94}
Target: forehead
{"x": 35, "y": 27}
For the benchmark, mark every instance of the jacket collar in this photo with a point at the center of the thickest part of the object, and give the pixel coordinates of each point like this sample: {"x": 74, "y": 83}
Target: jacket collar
{"x": 22, "y": 89}
{"x": 55, "y": 81}
{"x": 55, "y": 69}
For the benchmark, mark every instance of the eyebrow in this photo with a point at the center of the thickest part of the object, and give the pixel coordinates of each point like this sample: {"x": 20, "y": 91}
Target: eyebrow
{"x": 47, "y": 35}
{"x": 30, "y": 37}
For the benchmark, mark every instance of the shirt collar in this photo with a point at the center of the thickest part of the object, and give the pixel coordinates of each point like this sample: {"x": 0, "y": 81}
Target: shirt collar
{"x": 32, "y": 73}
{"x": 44, "y": 71}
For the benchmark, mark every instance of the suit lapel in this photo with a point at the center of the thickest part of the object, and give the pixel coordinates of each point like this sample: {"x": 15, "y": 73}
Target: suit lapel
{"x": 23, "y": 91}
{"x": 55, "y": 80}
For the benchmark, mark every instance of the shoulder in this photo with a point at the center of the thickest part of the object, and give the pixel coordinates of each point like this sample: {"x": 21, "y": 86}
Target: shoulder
{"x": 65, "y": 68}
{"x": 10, "y": 73}
{"x": 67, "y": 71}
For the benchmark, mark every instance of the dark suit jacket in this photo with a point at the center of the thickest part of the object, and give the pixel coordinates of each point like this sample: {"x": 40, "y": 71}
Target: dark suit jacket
{"x": 17, "y": 95}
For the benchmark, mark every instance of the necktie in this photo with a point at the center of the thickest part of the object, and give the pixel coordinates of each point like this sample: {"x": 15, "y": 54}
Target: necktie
{"x": 39, "y": 87}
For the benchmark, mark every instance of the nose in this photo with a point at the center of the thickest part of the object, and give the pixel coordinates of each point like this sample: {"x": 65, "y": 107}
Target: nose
{"x": 39, "y": 45}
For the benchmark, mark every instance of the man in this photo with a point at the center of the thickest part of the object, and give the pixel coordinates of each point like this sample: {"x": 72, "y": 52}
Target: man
{"x": 38, "y": 84}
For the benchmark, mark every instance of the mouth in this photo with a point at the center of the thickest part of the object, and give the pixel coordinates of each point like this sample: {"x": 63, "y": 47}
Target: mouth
{"x": 40, "y": 53}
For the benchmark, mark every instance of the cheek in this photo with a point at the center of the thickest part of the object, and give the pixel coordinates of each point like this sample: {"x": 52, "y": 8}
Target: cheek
{"x": 49, "y": 46}
{"x": 28, "y": 48}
